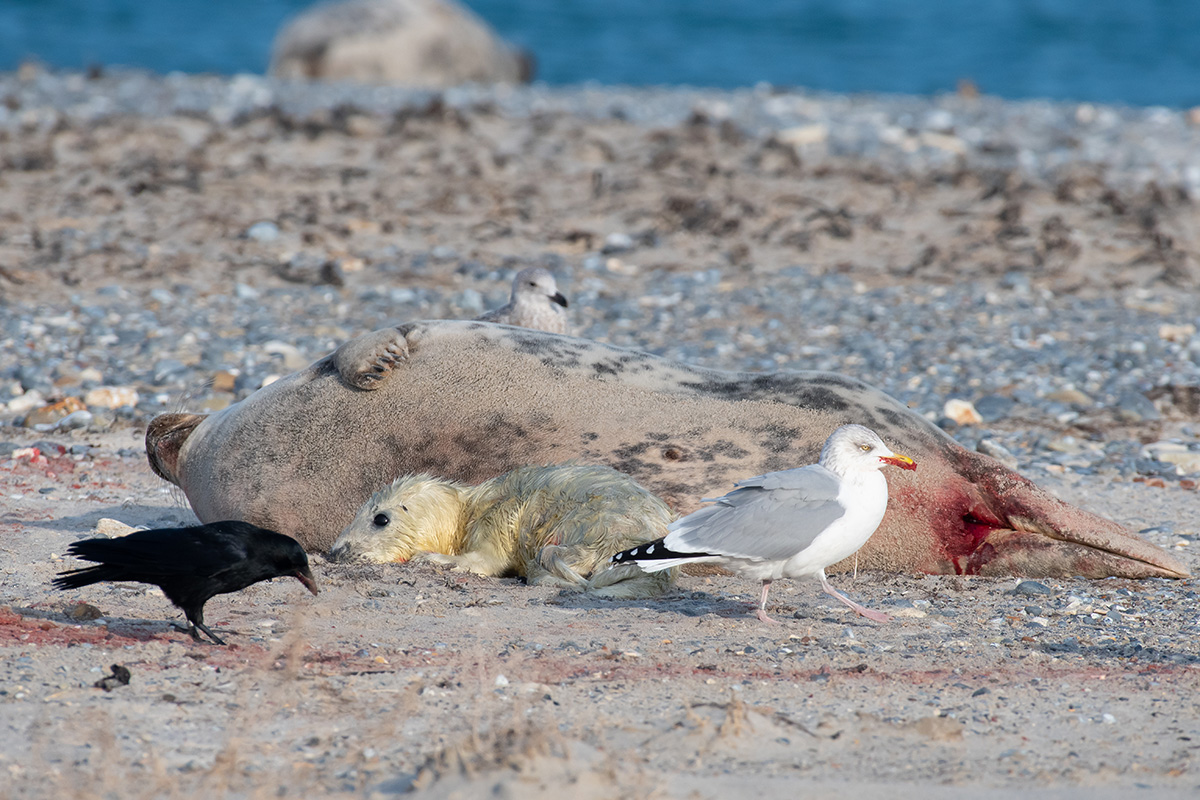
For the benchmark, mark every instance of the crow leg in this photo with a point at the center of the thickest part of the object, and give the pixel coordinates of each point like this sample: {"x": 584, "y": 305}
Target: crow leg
{"x": 211, "y": 635}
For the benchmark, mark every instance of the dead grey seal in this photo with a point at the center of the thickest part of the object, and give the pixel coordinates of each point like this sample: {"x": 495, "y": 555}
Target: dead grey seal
{"x": 552, "y": 525}
{"x": 470, "y": 400}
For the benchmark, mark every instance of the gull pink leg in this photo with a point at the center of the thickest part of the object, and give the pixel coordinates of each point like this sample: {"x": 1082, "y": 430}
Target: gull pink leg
{"x": 762, "y": 605}
{"x": 878, "y": 616}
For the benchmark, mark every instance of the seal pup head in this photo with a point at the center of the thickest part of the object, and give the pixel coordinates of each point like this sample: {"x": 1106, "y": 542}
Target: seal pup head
{"x": 414, "y": 514}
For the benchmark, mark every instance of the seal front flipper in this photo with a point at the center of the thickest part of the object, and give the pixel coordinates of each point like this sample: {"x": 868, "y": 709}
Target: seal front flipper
{"x": 366, "y": 362}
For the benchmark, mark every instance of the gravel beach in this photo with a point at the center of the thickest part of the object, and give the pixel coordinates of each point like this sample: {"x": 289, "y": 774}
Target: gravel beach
{"x": 175, "y": 242}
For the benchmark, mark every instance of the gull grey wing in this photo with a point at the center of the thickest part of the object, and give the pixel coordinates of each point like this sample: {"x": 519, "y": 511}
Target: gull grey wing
{"x": 758, "y": 523}
{"x": 812, "y": 481}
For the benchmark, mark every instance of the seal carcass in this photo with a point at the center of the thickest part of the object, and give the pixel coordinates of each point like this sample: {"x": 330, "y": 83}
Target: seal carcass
{"x": 470, "y": 400}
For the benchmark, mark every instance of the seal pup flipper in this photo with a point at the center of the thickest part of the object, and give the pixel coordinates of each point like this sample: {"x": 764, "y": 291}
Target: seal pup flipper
{"x": 556, "y": 565}
{"x": 629, "y": 582}
{"x": 367, "y": 361}
{"x": 475, "y": 562}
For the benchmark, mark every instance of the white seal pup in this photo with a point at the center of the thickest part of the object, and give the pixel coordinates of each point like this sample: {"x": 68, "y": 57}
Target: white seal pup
{"x": 551, "y": 525}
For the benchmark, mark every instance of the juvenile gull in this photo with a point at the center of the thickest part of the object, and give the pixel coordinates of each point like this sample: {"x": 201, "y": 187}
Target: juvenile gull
{"x": 535, "y": 303}
{"x": 790, "y": 524}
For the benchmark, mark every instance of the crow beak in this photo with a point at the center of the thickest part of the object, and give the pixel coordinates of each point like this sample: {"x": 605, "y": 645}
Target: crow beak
{"x": 897, "y": 460}
{"x": 557, "y": 297}
{"x": 305, "y": 577}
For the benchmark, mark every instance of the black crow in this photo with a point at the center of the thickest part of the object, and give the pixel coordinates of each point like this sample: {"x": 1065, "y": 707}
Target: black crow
{"x": 191, "y": 564}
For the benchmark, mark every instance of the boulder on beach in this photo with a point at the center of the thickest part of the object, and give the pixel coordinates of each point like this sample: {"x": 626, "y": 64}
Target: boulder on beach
{"x": 426, "y": 43}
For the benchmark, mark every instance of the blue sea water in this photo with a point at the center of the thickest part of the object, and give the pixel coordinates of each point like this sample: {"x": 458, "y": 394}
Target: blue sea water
{"x": 1141, "y": 52}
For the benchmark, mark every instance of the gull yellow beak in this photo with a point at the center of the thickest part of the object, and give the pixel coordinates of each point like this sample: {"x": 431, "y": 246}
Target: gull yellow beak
{"x": 897, "y": 460}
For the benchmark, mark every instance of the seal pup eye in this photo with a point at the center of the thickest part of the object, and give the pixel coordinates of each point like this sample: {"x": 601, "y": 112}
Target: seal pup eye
{"x": 381, "y": 520}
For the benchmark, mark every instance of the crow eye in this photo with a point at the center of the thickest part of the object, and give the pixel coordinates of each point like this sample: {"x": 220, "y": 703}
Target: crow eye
{"x": 381, "y": 520}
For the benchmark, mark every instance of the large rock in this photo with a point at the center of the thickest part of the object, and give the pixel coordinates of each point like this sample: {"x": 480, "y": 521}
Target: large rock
{"x": 428, "y": 43}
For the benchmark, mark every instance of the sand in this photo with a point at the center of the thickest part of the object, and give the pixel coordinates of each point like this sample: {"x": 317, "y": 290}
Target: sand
{"x": 411, "y": 678}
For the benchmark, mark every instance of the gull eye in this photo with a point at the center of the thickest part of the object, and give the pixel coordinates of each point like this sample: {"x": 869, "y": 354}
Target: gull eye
{"x": 381, "y": 520}
{"x": 866, "y": 448}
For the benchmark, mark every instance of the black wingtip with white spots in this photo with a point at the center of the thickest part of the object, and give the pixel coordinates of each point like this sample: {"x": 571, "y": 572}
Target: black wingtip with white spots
{"x": 651, "y": 551}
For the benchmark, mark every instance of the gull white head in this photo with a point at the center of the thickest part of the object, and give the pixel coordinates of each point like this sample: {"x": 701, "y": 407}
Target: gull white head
{"x": 854, "y": 448}
{"x": 535, "y": 283}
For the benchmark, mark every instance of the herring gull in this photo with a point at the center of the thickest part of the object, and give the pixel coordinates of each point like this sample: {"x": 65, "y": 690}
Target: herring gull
{"x": 791, "y": 523}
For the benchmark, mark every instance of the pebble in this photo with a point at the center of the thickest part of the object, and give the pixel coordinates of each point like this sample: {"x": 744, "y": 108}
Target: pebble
{"x": 72, "y": 421}
{"x": 994, "y": 407}
{"x": 617, "y": 243}
{"x": 1032, "y": 589}
{"x": 962, "y": 412}
{"x": 263, "y": 232}
{"x": 26, "y": 401}
{"x": 111, "y": 397}
{"x": 49, "y": 414}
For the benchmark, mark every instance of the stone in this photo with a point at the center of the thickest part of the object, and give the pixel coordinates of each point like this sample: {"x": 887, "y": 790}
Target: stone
{"x": 962, "y": 412}
{"x": 423, "y": 43}
{"x": 49, "y": 414}
{"x": 1133, "y": 406}
{"x": 1180, "y": 334}
{"x": 994, "y": 407}
{"x": 263, "y": 232}
{"x": 111, "y": 397}
{"x": 1032, "y": 589}
{"x": 1071, "y": 397}
{"x": 27, "y": 401}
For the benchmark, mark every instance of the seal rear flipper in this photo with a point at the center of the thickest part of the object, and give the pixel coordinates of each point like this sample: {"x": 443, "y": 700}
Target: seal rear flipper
{"x": 164, "y": 437}
{"x": 366, "y": 362}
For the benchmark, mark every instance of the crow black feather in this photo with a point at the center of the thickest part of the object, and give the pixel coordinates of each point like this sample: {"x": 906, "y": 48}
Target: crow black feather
{"x": 191, "y": 565}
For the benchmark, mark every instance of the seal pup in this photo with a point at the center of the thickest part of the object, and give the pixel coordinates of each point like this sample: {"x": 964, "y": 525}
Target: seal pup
{"x": 191, "y": 565}
{"x": 535, "y": 303}
{"x": 788, "y": 524}
{"x": 551, "y": 525}
{"x": 468, "y": 401}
